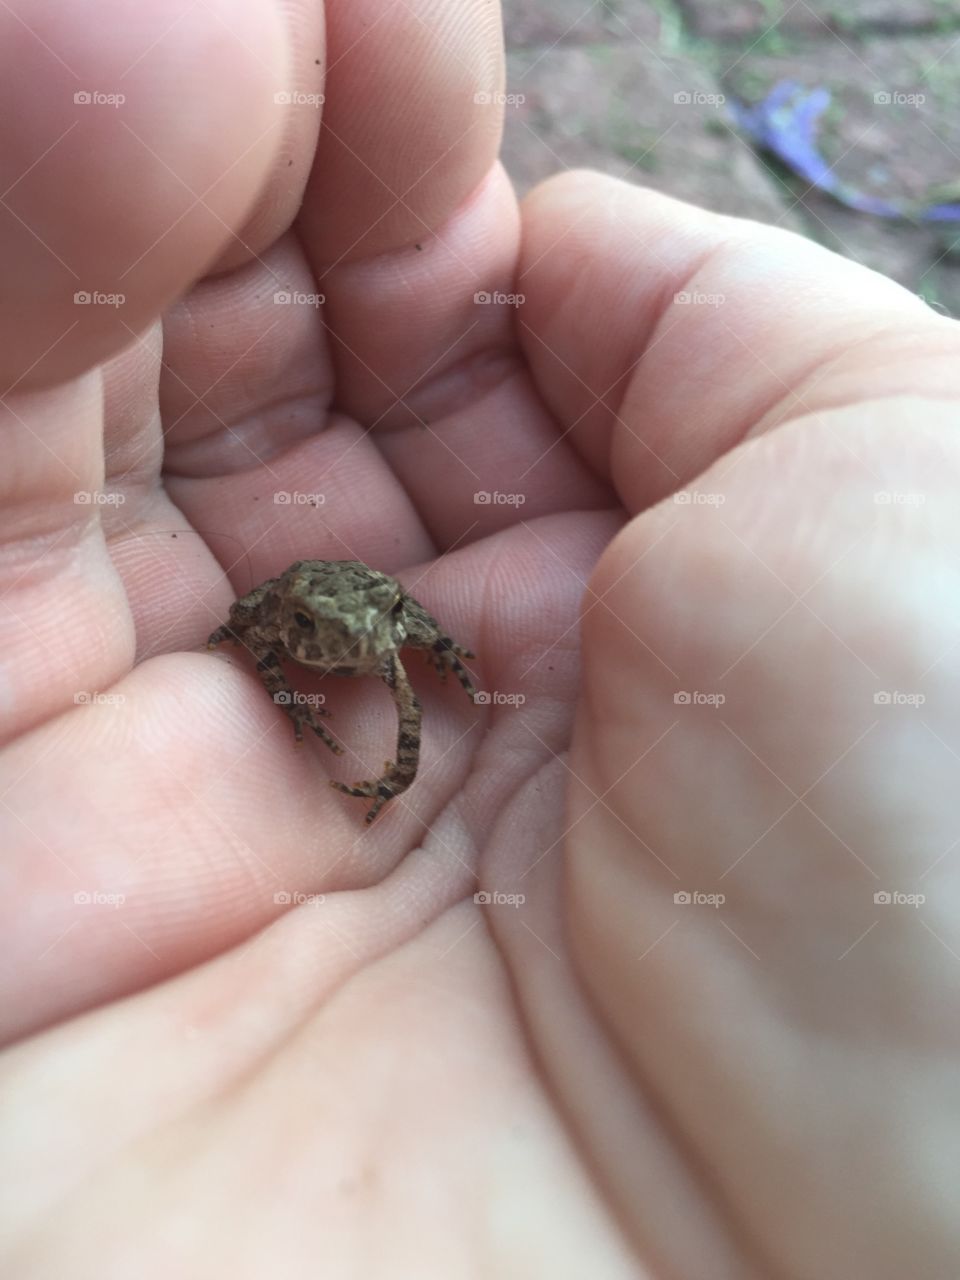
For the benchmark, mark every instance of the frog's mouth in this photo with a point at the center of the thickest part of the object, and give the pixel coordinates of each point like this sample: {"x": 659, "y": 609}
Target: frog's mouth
{"x": 347, "y": 652}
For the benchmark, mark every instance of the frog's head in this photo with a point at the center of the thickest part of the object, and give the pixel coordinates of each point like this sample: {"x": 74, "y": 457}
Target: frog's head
{"x": 347, "y": 622}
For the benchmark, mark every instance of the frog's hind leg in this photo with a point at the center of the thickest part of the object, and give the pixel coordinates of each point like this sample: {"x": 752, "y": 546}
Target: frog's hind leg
{"x": 398, "y": 774}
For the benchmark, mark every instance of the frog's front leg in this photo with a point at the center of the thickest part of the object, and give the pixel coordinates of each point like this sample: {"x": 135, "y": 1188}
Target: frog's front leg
{"x": 398, "y": 774}
{"x": 244, "y": 615}
{"x": 300, "y": 712}
{"x": 444, "y": 655}
{"x": 242, "y": 629}
{"x": 443, "y": 652}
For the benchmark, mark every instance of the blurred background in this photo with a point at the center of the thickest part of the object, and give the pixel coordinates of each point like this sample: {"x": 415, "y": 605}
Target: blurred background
{"x": 839, "y": 119}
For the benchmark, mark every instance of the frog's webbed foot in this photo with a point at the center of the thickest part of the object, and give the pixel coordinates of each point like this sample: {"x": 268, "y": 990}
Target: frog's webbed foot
{"x": 222, "y": 633}
{"x": 444, "y": 655}
{"x": 380, "y": 790}
{"x": 302, "y": 715}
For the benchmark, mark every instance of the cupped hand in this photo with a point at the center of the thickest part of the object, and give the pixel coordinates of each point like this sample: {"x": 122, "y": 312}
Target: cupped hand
{"x": 653, "y": 971}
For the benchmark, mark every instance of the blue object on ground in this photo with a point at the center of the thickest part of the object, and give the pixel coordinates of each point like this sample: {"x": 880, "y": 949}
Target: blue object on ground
{"x": 785, "y": 124}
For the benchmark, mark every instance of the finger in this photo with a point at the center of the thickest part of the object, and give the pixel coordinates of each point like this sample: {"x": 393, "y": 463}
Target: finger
{"x": 661, "y": 335}
{"x": 64, "y": 624}
{"x": 114, "y": 198}
{"x": 423, "y": 224}
{"x": 64, "y": 621}
{"x": 295, "y": 126}
{"x": 174, "y": 587}
{"x": 244, "y": 391}
{"x": 404, "y": 140}
{"x": 255, "y": 457}
{"x": 451, "y": 404}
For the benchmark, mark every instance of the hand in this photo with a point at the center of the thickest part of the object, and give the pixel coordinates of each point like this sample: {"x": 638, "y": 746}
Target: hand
{"x": 249, "y": 1036}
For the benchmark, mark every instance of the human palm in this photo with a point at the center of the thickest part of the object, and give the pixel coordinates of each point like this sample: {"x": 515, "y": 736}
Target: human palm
{"x": 256, "y": 1037}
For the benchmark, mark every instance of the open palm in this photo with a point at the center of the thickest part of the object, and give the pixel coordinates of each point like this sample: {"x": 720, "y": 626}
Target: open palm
{"x": 548, "y": 1008}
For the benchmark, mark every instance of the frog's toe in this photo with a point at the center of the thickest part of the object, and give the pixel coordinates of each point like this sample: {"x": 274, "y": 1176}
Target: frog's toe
{"x": 376, "y": 790}
{"x": 367, "y": 789}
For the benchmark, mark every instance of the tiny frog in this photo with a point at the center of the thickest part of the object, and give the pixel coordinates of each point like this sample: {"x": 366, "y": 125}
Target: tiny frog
{"x": 342, "y": 618}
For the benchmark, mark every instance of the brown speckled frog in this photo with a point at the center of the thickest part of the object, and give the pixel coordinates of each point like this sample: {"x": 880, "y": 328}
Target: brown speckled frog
{"x": 343, "y": 618}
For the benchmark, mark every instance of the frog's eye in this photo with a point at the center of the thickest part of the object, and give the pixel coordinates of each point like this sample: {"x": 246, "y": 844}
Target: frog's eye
{"x": 397, "y": 607}
{"x": 302, "y": 620}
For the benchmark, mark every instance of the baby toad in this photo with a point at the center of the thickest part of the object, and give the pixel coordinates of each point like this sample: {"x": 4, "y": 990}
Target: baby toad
{"x": 342, "y": 618}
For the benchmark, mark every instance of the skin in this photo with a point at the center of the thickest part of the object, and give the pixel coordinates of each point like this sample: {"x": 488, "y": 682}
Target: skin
{"x": 343, "y": 618}
{"x": 296, "y": 1038}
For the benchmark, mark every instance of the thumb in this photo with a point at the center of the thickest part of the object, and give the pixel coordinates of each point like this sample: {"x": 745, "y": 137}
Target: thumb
{"x": 762, "y": 826}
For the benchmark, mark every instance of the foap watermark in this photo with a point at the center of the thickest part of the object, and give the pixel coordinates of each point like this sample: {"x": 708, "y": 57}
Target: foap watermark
{"x": 97, "y": 98}
{"x": 697, "y": 98}
{"x": 94, "y": 698}
{"x": 95, "y": 298}
{"x": 496, "y": 298}
{"x": 697, "y": 498}
{"x": 695, "y": 898}
{"x": 98, "y": 898}
{"x": 696, "y": 298}
{"x": 294, "y": 898}
{"x": 494, "y": 898}
{"x": 696, "y": 698}
{"x": 292, "y": 698}
{"x": 894, "y": 898}
{"x": 94, "y": 498}
{"x": 295, "y": 298}
{"x": 899, "y": 498}
{"x": 897, "y": 98}
{"x": 297, "y": 98}
{"x": 496, "y": 698}
{"x": 897, "y": 698}
{"x": 294, "y": 498}
{"x": 483, "y": 498}
{"x": 485, "y": 99}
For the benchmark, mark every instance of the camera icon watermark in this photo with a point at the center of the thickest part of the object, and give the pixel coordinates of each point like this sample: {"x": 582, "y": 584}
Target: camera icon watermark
{"x": 98, "y": 898}
{"x": 293, "y": 898}
{"x": 896, "y": 698}
{"x": 698, "y": 498}
{"x": 697, "y": 698}
{"x": 293, "y": 698}
{"x": 94, "y": 498}
{"x": 486, "y": 99}
{"x": 899, "y": 498}
{"x": 496, "y": 698}
{"x": 696, "y": 298}
{"x": 697, "y": 98}
{"x": 94, "y": 698}
{"x": 484, "y": 498}
{"x": 95, "y": 298}
{"x": 296, "y": 98}
{"x": 894, "y": 898}
{"x": 296, "y": 298}
{"x": 896, "y": 98}
{"x": 96, "y": 98}
{"x": 694, "y": 898}
{"x": 486, "y": 298}
{"x": 286, "y": 498}
{"x": 494, "y": 898}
